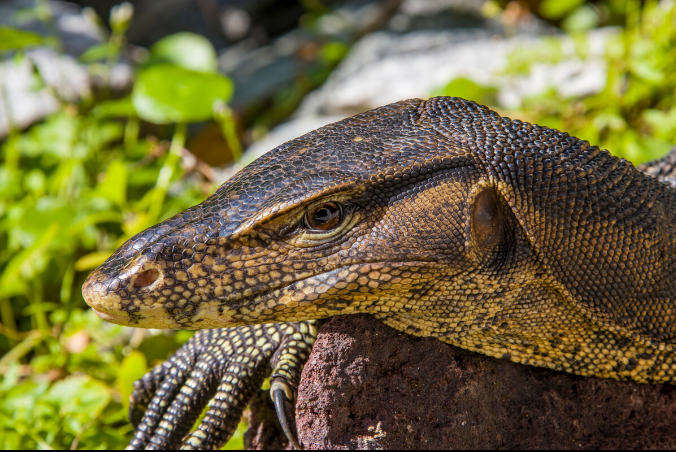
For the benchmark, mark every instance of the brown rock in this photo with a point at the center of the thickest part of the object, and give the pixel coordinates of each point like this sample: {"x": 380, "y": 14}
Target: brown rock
{"x": 263, "y": 431}
{"x": 369, "y": 386}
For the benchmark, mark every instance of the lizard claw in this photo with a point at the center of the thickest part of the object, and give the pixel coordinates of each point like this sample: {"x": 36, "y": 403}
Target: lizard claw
{"x": 222, "y": 368}
{"x": 281, "y": 396}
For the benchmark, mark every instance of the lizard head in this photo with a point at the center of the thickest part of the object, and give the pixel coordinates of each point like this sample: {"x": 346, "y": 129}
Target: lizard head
{"x": 436, "y": 216}
{"x": 386, "y": 212}
{"x": 370, "y": 214}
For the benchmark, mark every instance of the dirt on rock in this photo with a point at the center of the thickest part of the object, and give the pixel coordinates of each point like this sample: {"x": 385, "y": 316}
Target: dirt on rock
{"x": 369, "y": 386}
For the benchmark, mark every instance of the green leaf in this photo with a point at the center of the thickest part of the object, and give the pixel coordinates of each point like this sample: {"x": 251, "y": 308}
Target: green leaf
{"x": 92, "y": 260}
{"x": 333, "y": 52}
{"x": 79, "y": 395}
{"x": 170, "y": 94}
{"x": 115, "y": 108}
{"x": 582, "y": 19}
{"x": 647, "y": 70}
{"x": 237, "y": 440}
{"x": 114, "y": 186}
{"x": 25, "y": 264}
{"x": 14, "y": 39}
{"x": 55, "y": 136}
{"x": 663, "y": 123}
{"x": 556, "y": 9}
{"x": 132, "y": 368}
{"x": 467, "y": 89}
{"x": 97, "y": 52}
{"x": 187, "y": 50}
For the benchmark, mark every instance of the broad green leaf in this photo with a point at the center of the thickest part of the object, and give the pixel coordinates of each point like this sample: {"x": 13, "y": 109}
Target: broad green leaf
{"x": 132, "y": 368}
{"x": 333, "y": 52}
{"x": 35, "y": 180}
{"x": 25, "y": 264}
{"x": 92, "y": 260}
{"x": 97, "y": 52}
{"x": 79, "y": 395}
{"x": 167, "y": 93}
{"x": 115, "y": 108}
{"x": 467, "y": 89}
{"x": 237, "y": 440}
{"x": 647, "y": 70}
{"x": 663, "y": 123}
{"x": 14, "y": 39}
{"x": 55, "y": 136}
{"x": 187, "y": 50}
{"x": 583, "y": 18}
{"x": 556, "y": 9}
{"x": 114, "y": 185}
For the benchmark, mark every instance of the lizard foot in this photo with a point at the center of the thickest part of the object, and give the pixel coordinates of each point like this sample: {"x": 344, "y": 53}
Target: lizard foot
{"x": 288, "y": 364}
{"x": 222, "y": 368}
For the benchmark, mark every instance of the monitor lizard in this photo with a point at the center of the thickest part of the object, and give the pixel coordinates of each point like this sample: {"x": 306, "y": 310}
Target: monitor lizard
{"x": 439, "y": 217}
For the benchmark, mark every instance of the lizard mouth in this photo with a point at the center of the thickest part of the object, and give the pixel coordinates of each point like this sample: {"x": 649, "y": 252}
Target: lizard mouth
{"x": 291, "y": 301}
{"x": 295, "y": 301}
{"x": 117, "y": 318}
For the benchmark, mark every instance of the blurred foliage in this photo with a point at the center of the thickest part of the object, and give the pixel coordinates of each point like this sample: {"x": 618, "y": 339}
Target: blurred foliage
{"x": 72, "y": 189}
{"x": 634, "y": 115}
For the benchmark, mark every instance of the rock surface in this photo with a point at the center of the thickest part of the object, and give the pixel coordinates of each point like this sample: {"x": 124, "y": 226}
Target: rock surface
{"x": 369, "y": 386}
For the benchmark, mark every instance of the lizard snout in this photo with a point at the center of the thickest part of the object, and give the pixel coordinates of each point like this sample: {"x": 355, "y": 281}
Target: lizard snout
{"x": 126, "y": 298}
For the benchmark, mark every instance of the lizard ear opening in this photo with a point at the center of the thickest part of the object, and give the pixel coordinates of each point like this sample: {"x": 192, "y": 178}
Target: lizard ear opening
{"x": 487, "y": 220}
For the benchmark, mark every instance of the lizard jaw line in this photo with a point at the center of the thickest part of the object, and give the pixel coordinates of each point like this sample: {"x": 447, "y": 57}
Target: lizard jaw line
{"x": 117, "y": 319}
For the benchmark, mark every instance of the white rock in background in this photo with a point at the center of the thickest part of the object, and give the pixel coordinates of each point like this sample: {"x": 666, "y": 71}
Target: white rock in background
{"x": 386, "y": 67}
{"x": 66, "y": 80}
{"x": 22, "y": 103}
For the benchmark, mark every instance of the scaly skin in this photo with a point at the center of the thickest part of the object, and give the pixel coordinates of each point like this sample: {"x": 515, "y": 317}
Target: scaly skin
{"x": 494, "y": 235}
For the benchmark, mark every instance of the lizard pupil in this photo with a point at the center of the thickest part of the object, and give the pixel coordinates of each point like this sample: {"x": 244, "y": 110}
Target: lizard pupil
{"x": 324, "y": 217}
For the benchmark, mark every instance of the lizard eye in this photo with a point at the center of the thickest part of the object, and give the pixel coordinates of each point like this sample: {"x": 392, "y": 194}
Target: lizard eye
{"x": 324, "y": 217}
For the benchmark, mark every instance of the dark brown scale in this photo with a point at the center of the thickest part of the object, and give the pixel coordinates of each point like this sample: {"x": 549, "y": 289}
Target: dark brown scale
{"x": 438, "y": 217}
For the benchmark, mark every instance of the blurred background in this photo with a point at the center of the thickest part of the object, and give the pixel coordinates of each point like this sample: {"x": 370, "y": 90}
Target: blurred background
{"x": 114, "y": 117}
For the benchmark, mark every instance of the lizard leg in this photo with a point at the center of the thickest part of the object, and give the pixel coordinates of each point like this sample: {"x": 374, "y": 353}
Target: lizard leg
{"x": 146, "y": 387}
{"x": 243, "y": 377}
{"x": 225, "y": 366}
{"x": 162, "y": 422}
{"x": 288, "y": 362}
{"x": 151, "y": 396}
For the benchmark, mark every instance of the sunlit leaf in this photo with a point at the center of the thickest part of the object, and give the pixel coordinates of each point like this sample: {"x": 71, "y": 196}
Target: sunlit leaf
{"x": 25, "y": 264}
{"x": 333, "y": 52}
{"x": 55, "y": 136}
{"x": 91, "y": 261}
{"x": 467, "y": 89}
{"x": 583, "y": 18}
{"x": 187, "y": 50}
{"x": 97, "y": 52}
{"x": 14, "y": 39}
{"x": 132, "y": 368}
{"x": 170, "y": 94}
{"x": 556, "y": 9}
{"x": 79, "y": 395}
{"x": 237, "y": 440}
{"x": 115, "y": 108}
{"x": 114, "y": 185}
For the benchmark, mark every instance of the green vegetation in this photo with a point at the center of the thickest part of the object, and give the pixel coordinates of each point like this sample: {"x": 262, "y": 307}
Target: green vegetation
{"x": 72, "y": 189}
{"x": 77, "y": 185}
{"x": 634, "y": 116}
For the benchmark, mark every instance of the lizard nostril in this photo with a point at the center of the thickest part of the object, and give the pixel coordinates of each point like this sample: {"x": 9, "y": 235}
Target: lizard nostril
{"x": 146, "y": 278}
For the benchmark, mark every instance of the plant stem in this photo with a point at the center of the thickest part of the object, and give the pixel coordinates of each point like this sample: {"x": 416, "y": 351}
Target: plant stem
{"x": 226, "y": 120}
{"x": 167, "y": 172}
